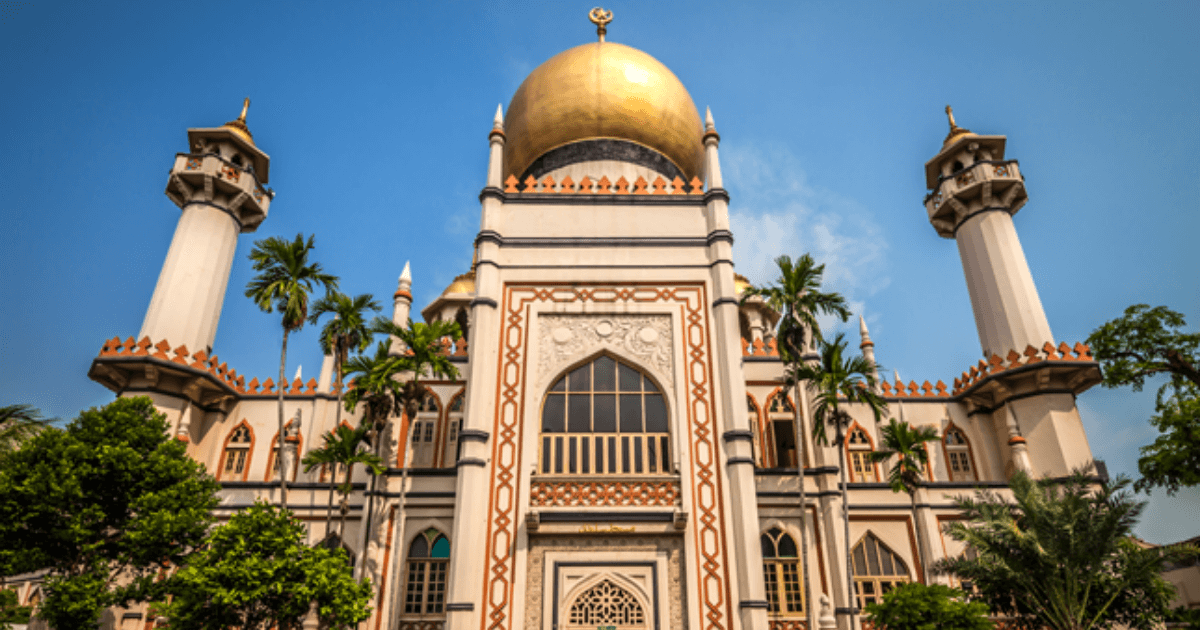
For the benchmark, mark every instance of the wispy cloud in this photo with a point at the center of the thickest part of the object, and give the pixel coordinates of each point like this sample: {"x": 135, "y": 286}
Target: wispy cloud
{"x": 777, "y": 211}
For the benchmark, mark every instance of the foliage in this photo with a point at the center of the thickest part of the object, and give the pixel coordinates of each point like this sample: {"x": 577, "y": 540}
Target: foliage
{"x": 797, "y": 296}
{"x": 907, "y": 444}
{"x": 348, "y": 331}
{"x": 255, "y": 572}
{"x": 838, "y": 379}
{"x": 10, "y": 612}
{"x": 425, "y": 355}
{"x": 1190, "y": 617}
{"x": 374, "y": 383}
{"x": 111, "y": 496}
{"x": 916, "y": 606}
{"x": 341, "y": 448}
{"x": 1061, "y": 555}
{"x": 19, "y": 423}
{"x": 1143, "y": 343}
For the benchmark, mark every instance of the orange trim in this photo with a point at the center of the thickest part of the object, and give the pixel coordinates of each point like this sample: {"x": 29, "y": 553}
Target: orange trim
{"x": 846, "y": 447}
{"x": 387, "y": 554}
{"x": 273, "y": 450}
{"x": 774, "y": 459}
{"x": 225, "y": 450}
{"x": 442, "y": 442}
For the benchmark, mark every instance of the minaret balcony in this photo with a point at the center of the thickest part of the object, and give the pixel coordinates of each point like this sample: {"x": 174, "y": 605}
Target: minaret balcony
{"x": 210, "y": 178}
{"x": 987, "y": 184}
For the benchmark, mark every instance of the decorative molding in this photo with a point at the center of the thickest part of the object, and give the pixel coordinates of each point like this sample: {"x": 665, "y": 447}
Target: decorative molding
{"x": 735, "y": 435}
{"x": 471, "y": 461}
{"x": 564, "y": 339}
{"x": 473, "y": 435}
{"x": 754, "y": 603}
{"x": 725, "y": 300}
{"x": 484, "y": 301}
{"x": 460, "y": 606}
{"x": 601, "y": 493}
{"x": 739, "y": 460}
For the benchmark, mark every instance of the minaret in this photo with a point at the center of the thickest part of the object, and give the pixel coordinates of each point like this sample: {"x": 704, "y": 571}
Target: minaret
{"x": 974, "y": 192}
{"x": 401, "y": 304}
{"x": 868, "y": 348}
{"x": 220, "y": 186}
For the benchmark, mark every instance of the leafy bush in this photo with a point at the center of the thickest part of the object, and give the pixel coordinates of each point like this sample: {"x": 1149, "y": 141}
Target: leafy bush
{"x": 920, "y": 607}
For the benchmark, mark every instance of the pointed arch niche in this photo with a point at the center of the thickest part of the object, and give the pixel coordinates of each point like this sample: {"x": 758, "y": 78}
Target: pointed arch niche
{"x": 272, "y": 473}
{"x": 606, "y": 602}
{"x": 454, "y": 420}
{"x": 781, "y": 431}
{"x": 960, "y": 458}
{"x": 858, "y": 455}
{"x": 758, "y": 453}
{"x": 236, "y": 452}
{"x": 423, "y": 430}
{"x": 604, "y": 417}
{"x": 425, "y": 577}
{"x": 782, "y": 575}
{"x": 877, "y": 570}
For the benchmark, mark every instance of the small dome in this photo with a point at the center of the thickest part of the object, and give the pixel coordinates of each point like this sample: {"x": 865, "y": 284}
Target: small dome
{"x": 603, "y": 91}
{"x": 239, "y": 127}
{"x": 464, "y": 283}
{"x": 740, "y": 283}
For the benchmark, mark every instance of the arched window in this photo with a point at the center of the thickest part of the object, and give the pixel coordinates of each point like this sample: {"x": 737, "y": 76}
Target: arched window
{"x": 605, "y": 417}
{"x": 958, "y": 455}
{"x": 606, "y": 605}
{"x": 755, "y": 426}
{"x": 235, "y": 460}
{"x": 781, "y": 573}
{"x": 781, "y": 420}
{"x": 454, "y": 421}
{"x": 273, "y": 456}
{"x": 877, "y": 570}
{"x": 425, "y": 587}
{"x": 423, "y": 430}
{"x": 858, "y": 454}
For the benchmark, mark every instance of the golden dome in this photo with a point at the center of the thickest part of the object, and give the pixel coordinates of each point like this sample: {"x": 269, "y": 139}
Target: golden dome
{"x": 603, "y": 90}
{"x": 239, "y": 126}
{"x": 956, "y": 132}
{"x": 740, "y": 283}
{"x": 462, "y": 284}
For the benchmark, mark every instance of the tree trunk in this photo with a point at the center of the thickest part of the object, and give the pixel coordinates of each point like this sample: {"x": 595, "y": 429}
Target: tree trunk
{"x": 920, "y": 539}
{"x": 345, "y": 503}
{"x": 852, "y": 602}
{"x": 370, "y": 507}
{"x": 333, "y": 467}
{"x": 279, "y": 450}
{"x": 803, "y": 503}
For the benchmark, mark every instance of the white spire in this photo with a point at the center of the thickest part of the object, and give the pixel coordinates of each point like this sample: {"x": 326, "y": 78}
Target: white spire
{"x": 299, "y": 371}
{"x": 862, "y": 330}
{"x": 405, "y": 277}
{"x": 498, "y": 121}
{"x": 896, "y": 374}
{"x": 708, "y": 120}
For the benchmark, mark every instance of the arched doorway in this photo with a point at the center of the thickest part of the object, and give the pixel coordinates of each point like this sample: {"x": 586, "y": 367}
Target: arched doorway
{"x": 606, "y": 605}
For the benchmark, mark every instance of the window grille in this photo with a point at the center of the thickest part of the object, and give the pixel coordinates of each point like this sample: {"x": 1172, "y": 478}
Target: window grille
{"x": 425, "y": 583}
{"x": 237, "y": 454}
{"x": 859, "y": 456}
{"x": 877, "y": 570}
{"x": 423, "y": 430}
{"x": 606, "y": 604}
{"x": 605, "y": 417}
{"x": 958, "y": 455}
{"x": 781, "y": 573}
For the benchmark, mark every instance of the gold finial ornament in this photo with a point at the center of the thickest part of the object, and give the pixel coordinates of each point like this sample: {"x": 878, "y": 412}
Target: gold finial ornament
{"x": 239, "y": 126}
{"x": 956, "y": 132}
{"x": 600, "y": 18}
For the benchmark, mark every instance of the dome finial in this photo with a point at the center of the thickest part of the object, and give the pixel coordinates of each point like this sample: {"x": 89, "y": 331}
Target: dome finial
{"x": 239, "y": 126}
{"x": 709, "y": 125}
{"x": 955, "y": 130}
{"x": 245, "y": 108}
{"x": 498, "y": 121}
{"x": 600, "y": 18}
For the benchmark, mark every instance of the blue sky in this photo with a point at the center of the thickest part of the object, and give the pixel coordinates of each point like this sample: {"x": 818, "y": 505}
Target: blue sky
{"x": 376, "y": 118}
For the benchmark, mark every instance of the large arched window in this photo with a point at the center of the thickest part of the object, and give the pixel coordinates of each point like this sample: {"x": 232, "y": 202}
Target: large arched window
{"x": 235, "y": 460}
{"x": 959, "y": 460}
{"x": 858, "y": 454}
{"x": 606, "y": 605}
{"x": 425, "y": 584}
{"x": 877, "y": 570}
{"x": 781, "y": 573}
{"x": 781, "y": 420}
{"x": 605, "y": 417}
{"x": 423, "y": 430}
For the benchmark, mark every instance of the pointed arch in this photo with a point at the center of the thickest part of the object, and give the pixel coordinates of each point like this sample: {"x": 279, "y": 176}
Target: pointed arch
{"x": 754, "y": 415}
{"x": 877, "y": 569}
{"x": 781, "y": 430}
{"x": 605, "y": 600}
{"x": 782, "y": 573}
{"x": 450, "y": 451}
{"x": 858, "y": 446}
{"x": 236, "y": 453}
{"x": 422, "y": 430}
{"x": 605, "y": 415}
{"x": 274, "y": 451}
{"x": 959, "y": 456}
{"x": 427, "y": 560}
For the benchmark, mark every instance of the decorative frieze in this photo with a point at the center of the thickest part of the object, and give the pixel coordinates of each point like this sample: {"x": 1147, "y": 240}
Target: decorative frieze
{"x": 563, "y": 339}
{"x": 604, "y": 493}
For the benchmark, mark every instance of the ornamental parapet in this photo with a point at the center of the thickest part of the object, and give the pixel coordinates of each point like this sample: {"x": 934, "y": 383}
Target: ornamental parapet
{"x": 604, "y": 186}
{"x": 605, "y": 492}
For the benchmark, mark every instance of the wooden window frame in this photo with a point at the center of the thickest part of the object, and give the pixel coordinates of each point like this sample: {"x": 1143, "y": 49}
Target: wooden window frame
{"x": 225, "y": 452}
{"x": 427, "y": 571}
{"x": 965, "y": 447}
{"x": 878, "y": 582}
{"x": 770, "y": 417}
{"x": 777, "y": 587}
{"x": 860, "y": 451}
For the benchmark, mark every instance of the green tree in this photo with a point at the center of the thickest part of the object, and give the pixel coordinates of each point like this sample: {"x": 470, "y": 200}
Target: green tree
{"x": 285, "y": 279}
{"x": 346, "y": 332}
{"x": 1060, "y": 555}
{"x": 936, "y": 607}
{"x": 838, "y": 380}
{"x": 907, "y": 444}
{"x": 10, "y": 612}
{"x": 796, "y": 295}
{"x": 105, "y": 504}
{"x": 342, "y": 448}
{"x": 19, "y": 423}
{"x": 1148, "y": 342}
{"x": 255, "y": 573}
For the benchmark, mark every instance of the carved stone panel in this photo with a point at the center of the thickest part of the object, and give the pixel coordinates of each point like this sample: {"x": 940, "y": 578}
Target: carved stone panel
{"x": 565, "y": 339}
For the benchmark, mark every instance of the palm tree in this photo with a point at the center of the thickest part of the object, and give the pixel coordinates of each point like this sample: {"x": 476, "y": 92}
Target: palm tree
{"x": 341, "y": 448}
{"x": 907, "y": 444}
{"x": 1061, "y": 554}
{"x": 18, "y": 423}
{"x": 835, "y": 378}
{"x": 796, "y": 295}
{"x": 346, "y": 332}
{"x": 285, "y": 279}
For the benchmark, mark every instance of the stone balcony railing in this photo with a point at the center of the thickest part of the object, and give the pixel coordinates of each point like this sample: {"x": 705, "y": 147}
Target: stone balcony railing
{"x": 603, "y": 186}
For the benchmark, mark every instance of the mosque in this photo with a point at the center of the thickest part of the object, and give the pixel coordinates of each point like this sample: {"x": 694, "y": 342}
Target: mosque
{"x": 620, "y": 451}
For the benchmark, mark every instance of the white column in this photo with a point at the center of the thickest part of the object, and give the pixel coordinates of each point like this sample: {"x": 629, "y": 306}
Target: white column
{"x": 187, "y": 300}
{"x": 1008, "y": 311}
